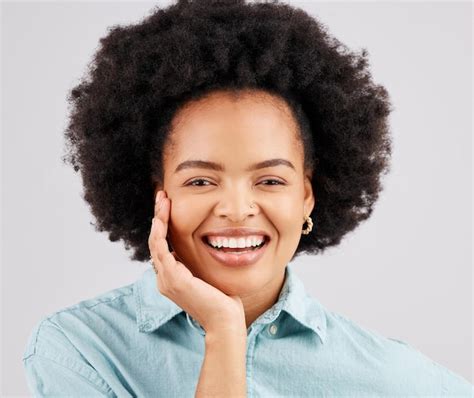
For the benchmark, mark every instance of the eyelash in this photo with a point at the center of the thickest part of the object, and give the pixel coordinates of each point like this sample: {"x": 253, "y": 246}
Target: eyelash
{"x": 202, "y": 179}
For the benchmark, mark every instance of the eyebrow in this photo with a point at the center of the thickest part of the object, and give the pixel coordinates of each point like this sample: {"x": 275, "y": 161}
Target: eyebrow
{"x": 204, "y": 164}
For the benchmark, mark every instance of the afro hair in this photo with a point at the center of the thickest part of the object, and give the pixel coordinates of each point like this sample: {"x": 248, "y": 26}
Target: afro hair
{"x": 141, "y": 74}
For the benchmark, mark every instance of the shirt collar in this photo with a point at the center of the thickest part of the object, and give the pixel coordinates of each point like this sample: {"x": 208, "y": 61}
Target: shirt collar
{"x": 154, "y": 309}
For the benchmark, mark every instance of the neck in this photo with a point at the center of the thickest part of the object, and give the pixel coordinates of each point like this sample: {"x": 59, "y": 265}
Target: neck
{"x": 256, "y": 304}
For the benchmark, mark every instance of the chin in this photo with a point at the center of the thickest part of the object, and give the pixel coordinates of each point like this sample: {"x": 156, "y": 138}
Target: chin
{"x": 234, "y": 285}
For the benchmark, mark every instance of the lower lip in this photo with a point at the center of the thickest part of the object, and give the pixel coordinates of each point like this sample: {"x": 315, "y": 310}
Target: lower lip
{"x": 237, "y": 260}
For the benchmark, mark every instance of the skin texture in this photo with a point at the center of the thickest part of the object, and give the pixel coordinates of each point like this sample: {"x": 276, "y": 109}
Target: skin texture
{"x": 237, "y": 132}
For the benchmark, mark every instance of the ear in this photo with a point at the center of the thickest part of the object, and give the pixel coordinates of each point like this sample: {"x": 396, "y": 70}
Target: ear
{"x": 309, "y": 198}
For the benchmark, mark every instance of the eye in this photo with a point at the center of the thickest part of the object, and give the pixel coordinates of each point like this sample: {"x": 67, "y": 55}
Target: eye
{"x": 192, "y": 182}
{"x": 278, "y": 182}
{"x": 195, "y": 180}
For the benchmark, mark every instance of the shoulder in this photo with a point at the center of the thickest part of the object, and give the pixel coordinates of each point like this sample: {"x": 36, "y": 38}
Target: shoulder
{"x": 394, "y": 364}
{"x": 56, "y": 333}
{"x": 66, "y": 351}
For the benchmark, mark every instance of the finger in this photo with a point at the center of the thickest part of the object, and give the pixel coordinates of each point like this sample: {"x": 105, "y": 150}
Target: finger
{"x": 158, "y": 245}
{"x": 162, "y": 213}
{"x": 169, "y": 272}
{"x": 163, "y": 253}
{"x": 158, "y": 202}
{"x": 156, "y": 255}
{"x": 156, "y": 233}
{"x": 157, "y": 240}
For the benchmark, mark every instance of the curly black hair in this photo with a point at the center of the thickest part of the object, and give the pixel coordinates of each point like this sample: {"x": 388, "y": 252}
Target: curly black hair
{"x": 143, "y": 73}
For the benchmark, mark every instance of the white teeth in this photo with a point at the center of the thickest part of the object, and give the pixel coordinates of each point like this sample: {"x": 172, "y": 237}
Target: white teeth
{"x": 242, "y": 242}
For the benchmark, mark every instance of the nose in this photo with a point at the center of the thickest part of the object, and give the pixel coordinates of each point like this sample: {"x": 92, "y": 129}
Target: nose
{"x": 236, "y": 205}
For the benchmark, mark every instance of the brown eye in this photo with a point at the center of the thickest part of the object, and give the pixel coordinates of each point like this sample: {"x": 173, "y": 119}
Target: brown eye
{"x": 191, "y": 183}
{"x": 278, "y": 182}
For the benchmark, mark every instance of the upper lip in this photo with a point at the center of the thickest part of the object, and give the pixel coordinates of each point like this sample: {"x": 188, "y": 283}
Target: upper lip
{"x": 243, "y": 231}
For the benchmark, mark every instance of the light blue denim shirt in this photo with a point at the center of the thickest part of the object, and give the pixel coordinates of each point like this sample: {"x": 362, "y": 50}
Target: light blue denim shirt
{"x": 134, "y": 342}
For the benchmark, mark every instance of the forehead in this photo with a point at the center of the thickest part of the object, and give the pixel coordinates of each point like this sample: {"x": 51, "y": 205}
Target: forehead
{"x": 234, "y": 130}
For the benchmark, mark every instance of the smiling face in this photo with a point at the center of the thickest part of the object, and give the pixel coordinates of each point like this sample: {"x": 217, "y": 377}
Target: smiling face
{"x": 236, "y": 133}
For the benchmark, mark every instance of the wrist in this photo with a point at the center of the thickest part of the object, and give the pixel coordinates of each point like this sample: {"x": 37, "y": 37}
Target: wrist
{"x": 226, "y": 334}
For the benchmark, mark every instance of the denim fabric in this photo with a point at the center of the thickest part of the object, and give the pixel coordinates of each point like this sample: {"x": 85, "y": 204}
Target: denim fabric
{"x": 134, "y": 342}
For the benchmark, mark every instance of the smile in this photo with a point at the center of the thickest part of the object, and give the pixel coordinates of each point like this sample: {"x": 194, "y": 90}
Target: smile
{"x": 235, "y": 256}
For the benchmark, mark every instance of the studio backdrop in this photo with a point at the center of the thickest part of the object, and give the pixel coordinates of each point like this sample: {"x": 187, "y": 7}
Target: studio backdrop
{"x": 405, "y": 272}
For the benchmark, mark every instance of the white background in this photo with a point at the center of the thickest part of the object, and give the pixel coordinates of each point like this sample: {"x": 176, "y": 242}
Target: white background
{"x": 405, "y": 273}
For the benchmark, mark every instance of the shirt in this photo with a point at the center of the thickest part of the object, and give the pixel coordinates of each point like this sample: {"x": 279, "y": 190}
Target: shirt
{"x": 135, "y": 342}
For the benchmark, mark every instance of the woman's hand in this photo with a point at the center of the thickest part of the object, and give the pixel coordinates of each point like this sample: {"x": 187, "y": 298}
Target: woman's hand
{"x": 215, "y": 311}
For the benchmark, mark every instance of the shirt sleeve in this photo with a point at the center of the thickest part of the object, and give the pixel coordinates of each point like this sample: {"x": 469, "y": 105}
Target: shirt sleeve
{"x": 54, "y": 368}
{"x": 62, "y": 378}
{"x": 424, "y": 376}
{"x": 455, "y": 385}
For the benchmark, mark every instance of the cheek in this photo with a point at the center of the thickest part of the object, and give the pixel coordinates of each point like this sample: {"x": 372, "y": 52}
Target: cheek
{"x": 285, "y": 221}
{"x": 283, "y": 215}
{"x": 286, "y": 207}
{"x": 184, "y": 219}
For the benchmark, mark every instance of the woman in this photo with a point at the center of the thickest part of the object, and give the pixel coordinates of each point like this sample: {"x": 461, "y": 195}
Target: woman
{"x": 219, "y": 140}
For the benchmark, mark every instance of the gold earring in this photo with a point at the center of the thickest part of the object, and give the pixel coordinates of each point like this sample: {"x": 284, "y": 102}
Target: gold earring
{"x": 307, "y": 230}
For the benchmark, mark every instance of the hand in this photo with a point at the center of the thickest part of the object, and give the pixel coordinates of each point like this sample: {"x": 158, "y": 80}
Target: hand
{"x": 214, "y": 310}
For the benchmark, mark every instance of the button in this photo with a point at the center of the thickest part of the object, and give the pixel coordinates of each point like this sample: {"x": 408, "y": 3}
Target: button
{"x": 273, "y": 329}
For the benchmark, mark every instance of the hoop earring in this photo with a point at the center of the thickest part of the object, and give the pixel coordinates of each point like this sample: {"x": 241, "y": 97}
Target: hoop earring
{"x": 307, "y": 230}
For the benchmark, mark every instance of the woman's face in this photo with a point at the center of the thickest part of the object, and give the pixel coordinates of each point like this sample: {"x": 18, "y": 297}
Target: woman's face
{"x": 236, "y": 134}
